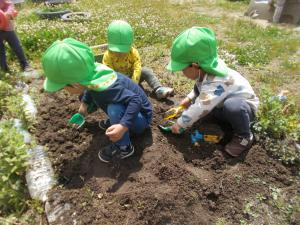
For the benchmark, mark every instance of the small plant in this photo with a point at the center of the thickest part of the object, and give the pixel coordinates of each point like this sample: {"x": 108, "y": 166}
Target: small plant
{"x": 12, "y": 105}
{"x": 222, "y": 221}
{"x": 13, "y": 164}
{"x": 276, "y": 118}
{"x": 278, "y": 126}
{"x": 277, "y": 207}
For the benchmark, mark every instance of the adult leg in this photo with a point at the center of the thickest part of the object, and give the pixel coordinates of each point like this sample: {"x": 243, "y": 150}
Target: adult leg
{"x": 15, "y": 45}
{"x": 3, "y": 63}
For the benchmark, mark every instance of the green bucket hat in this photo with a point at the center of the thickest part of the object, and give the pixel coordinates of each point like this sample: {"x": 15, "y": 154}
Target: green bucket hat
{"x": 70, "y": 61}
{"x": 120, "y": 36}
{"x": 197, "y": 45}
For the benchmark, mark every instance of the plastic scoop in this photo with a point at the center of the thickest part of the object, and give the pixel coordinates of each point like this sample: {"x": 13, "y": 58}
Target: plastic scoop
{"x": 173, "y": 112}
{"x": 167, "y": 129}
{"x": 77, "y": 119}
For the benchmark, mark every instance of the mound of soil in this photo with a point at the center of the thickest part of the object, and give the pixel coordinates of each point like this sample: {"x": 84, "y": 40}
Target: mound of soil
{"x": 167, "y": 181}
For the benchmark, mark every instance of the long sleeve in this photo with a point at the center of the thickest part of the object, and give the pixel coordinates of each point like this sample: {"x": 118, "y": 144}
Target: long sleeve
{"x": 133, "y": 107}
{"x": 194, "y": 93}
{"x": 107, "y": 60}
{"x": 137, "y": 66}
{"x": 212, "y": 93}
{"x": 124, "y": 91}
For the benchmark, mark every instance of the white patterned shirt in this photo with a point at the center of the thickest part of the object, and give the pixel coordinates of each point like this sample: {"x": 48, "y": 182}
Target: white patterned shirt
{"x": 212, "y": 92}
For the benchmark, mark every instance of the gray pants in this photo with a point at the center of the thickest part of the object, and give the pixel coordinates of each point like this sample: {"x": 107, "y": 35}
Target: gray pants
{"x": 238, "y": 113}
{"x": 149, "y": 76}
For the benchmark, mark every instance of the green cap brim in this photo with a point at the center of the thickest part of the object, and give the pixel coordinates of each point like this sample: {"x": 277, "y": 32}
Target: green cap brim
{"x": 119, "y": 48}
{"x": 176, "y": 66}
{"x": 220, "y": 69}
{"x": 51, "y": 86}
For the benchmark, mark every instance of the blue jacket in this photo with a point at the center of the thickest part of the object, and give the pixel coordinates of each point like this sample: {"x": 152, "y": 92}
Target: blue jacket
{"x": 122, "y": 91}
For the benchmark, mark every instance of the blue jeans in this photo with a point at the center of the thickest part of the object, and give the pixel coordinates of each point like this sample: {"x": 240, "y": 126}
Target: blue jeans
{"x": 238, "y": 113}
{"x": 115, "y": 113}
{"x": 14, "y": 43}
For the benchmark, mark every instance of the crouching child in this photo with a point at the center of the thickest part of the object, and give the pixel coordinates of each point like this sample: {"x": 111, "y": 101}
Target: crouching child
{"x": 70, "y": 65}
{"x": 218, "y": 89}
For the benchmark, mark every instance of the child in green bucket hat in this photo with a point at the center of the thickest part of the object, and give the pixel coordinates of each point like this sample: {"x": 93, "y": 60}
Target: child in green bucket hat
{"x": 218, "y": 90}
{"x": 70, "y": 65}
{"x": 124, "y": 58}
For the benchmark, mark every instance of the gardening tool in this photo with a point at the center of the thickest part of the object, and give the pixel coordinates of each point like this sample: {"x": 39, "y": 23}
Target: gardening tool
{"x": 168, "y": 129}
{"x": 173, "y": 112}
{"x": 77, "y": 119}
{"x": 197, "y": 136}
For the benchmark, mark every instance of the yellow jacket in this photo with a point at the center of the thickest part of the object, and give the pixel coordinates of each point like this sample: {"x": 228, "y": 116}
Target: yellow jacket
{"x": 129, "y": 65}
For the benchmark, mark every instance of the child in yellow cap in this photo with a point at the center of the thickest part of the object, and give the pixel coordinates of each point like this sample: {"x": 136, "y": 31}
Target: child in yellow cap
{"x": 218, "y": 89}
{"x": 124, "y": 58}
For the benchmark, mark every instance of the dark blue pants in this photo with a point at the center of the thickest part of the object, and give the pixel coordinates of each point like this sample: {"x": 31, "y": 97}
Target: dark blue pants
{"x": 238, "y": 113}
{"x": 14, "y": 43}
{"x": 115, "y": 113}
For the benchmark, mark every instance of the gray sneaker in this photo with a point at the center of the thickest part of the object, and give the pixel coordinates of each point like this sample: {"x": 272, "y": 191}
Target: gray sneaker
{"x": 163, "y": 92}
{"x": 238, "y": 145}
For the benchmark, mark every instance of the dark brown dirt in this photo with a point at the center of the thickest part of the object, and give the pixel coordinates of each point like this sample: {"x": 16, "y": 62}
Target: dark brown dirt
{"x": 167, "y": 181}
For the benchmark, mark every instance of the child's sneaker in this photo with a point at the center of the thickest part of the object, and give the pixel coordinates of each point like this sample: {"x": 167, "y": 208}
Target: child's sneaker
{"x": 163, "y": 92}
{"x": 104, "y": 124}
{"x": 126, "y": 151}
{"x": 239, "y": 144}
{"x": 110, "y": 151}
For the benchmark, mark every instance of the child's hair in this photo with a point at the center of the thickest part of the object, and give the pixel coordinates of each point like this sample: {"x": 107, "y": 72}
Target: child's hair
{"x": 120, "y": 36}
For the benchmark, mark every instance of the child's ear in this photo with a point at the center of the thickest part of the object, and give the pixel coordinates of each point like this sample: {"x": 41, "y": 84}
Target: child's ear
{"x": 195, "y": 65}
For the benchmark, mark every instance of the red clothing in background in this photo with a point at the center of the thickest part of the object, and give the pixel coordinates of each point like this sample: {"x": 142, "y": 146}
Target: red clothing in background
{"x": 8, "y": 8}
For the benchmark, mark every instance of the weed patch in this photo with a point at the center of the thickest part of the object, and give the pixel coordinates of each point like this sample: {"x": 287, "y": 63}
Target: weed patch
{"x": 278, "y": 126}
{"x": 13, "y": 164}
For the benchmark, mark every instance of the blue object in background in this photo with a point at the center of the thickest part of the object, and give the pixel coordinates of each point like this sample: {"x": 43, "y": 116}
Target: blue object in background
{"x": 196, "y": 136}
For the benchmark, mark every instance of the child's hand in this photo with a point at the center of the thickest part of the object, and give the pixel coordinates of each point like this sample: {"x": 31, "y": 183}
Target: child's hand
{"x": 176, "y": 129}
{"x": 115, "y": 132}
{"x": 186, "y": 102}
{"x": 173, "y": 112}
{"x": 83, "y": 109}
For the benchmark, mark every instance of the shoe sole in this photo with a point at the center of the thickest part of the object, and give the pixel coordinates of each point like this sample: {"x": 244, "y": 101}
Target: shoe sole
{"x": 106, "y": 161}
{"x": 130, "y": 154}
{"x": 101, "y": 159}
{"x": 233, "y": 155}
{"x": 102, "y": 128}
{"x": 166, "y": 95}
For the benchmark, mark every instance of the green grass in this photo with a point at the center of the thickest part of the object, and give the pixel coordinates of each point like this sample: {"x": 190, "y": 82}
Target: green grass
{"x": 254, "y": 45}
{"x": 278, "y": 206}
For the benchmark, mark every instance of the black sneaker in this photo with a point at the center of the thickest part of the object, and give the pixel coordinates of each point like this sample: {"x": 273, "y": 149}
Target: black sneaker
{"x": 108, "y": 152}
{"x": 104, "y": 124}
{"x": 113, "y": 150}
{"x": 128, "y": 151}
